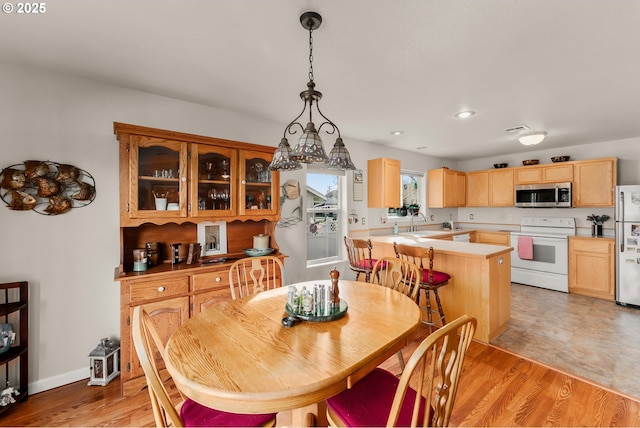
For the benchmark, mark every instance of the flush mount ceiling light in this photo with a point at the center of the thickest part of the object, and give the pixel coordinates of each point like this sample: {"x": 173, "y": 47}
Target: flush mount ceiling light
{"x": 309, "y": 148}
{"x": 532, "y": 138}
{"x": 397, "y": 132}
{"x": 465, "y": 114}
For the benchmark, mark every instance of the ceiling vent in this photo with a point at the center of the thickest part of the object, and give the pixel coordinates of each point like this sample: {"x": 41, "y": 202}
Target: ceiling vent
{"x": 519, "y": 128}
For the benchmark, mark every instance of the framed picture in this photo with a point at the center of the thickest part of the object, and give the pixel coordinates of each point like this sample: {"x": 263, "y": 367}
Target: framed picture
{"x": 212, "y": 237}
{"x": 358, "y": 186}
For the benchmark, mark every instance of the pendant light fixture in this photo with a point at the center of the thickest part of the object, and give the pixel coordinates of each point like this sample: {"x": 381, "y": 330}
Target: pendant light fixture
{"x": 309, "y": 149}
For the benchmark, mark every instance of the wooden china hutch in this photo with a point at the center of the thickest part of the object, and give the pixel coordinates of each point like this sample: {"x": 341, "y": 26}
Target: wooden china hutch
{"x": 196, "y": 179}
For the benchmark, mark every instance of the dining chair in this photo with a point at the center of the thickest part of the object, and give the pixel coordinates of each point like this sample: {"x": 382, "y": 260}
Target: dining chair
{"x": 359, "y": 255}
{"x": 381, "y": 398}
{"x": 431, "y": 279}
{"x": 400, "y": 275}
{"x": 251, "y": 275}
{"x": 187, "y": 412}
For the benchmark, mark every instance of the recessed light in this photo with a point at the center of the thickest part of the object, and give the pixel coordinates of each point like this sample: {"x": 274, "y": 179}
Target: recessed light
{"x": 465, "y": 114}
{"x": 397, "y": 132}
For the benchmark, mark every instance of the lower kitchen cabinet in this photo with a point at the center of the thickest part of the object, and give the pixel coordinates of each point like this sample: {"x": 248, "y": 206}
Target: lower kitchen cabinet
{"x": 592, "y": 267}
{"x": 490, "y": 237}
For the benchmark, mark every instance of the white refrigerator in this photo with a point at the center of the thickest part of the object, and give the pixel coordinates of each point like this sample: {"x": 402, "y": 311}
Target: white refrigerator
{"x": 627, "y": 219}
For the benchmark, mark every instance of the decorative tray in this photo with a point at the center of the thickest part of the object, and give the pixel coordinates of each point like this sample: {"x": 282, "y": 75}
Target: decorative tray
{"x": 256, "y": 252}
{"x": 320, "y": 315}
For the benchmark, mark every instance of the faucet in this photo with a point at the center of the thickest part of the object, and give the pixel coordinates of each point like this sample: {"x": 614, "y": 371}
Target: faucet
{"x": 412, "y": 227}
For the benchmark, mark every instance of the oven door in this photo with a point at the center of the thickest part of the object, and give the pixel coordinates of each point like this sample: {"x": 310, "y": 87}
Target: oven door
{"x": 550, "y": 254}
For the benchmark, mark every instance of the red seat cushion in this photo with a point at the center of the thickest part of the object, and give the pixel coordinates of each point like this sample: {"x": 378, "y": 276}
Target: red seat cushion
{"x": 438, "y": 277}
{"x": 368, "y": 402}
{"x": 366, "y": 264}
{"x": 197, "y": 415}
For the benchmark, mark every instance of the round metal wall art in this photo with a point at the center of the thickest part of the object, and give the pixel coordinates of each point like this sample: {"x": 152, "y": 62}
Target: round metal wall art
{"x": 48, "y": 188}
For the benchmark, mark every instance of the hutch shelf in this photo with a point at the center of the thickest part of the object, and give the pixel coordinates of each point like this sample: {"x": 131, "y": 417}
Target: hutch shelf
{"x": 14, "y": 297}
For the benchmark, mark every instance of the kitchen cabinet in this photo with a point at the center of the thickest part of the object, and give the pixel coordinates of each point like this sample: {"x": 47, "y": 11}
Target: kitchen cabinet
{"x": 14, "y": 309}
{"x": 383, "y": 183}
{"x": 490, "y": 188}
{"x": 594, "y": 182}
{"x": 554, "y": 173}
{"x": 491, "y": 237}
{"x": 194, "y": 177}
{"x": 592, "y": 267}
{"x": 478, "y": 189}
{"x": 446, "y": 188}
{"x": 501, "y": 191}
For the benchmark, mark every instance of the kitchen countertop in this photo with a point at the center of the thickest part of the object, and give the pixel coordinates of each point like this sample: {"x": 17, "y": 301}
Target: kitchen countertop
{"x": 468, "y": 249}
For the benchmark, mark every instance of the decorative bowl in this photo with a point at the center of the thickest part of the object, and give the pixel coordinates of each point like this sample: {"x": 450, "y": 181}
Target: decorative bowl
{"x": 530, "y": 162}
{"x": 257, "y": 252}
{"x": 560, "y": 158}
{"x": 500, "y": 165}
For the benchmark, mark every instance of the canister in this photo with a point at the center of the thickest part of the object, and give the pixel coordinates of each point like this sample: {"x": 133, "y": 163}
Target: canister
{"x": 139, "y": 260}
{"x": 261, "y": 241}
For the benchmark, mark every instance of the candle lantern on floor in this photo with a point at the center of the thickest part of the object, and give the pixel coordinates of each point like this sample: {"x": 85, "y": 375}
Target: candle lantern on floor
{"x": 104, "y": 364}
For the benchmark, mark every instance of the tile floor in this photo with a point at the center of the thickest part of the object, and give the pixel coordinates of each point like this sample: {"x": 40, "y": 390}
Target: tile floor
{"x": 588, "y": 337}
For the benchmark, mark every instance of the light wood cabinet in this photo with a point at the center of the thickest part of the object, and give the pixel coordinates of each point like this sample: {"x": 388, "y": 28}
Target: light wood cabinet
{"x": 383, "y": 183}
{"x": 197, "y": 177}
{"x": 594, "y": 183}
{"x": 554, "y": 173}
{"x": 478, "y": 189}
{"x": 446, "y": 188}
{"x": 491, "y": 237}
{"x": 204, "y": 179}
{"x": 592, "y": 267}
{"x": 501, "y": 188}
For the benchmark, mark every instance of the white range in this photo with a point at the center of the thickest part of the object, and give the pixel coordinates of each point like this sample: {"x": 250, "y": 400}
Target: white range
{"x": 540, "y": 255}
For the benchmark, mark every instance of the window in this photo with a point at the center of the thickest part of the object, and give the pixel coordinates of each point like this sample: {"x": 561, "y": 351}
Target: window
{"x": 324, "y": 216}
{"x": 411, "y": 189}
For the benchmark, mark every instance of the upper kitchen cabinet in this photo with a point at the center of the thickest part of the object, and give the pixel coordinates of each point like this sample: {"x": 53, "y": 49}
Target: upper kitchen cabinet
{"x": 594, "y": 182}
{"x": 555, "y": 173}
{"x": 446, "y": 188}
{"x": 383, "y": 183}
{"x": 168, "y": 176}
{"x": 501, "y": 192}
{"x": 478, "y": 189}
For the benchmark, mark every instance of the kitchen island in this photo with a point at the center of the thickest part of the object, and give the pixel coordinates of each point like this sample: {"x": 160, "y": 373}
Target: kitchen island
{"x": 480, "y": 283}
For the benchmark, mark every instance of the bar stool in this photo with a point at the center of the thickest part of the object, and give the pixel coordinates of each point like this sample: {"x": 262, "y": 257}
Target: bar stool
{"x": 360, "y": 260}
{"x": 431, "y": 279}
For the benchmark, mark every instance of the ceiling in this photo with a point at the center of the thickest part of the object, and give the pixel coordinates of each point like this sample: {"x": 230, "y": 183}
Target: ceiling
{"x": 569, "y": 67}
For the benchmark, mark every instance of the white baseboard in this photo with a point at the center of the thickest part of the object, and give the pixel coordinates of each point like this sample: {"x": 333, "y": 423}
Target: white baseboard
{"x": 56, "y": 381}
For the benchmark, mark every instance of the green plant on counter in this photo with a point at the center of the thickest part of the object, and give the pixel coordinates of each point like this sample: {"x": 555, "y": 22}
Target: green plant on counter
{"x": 595, "y": 219}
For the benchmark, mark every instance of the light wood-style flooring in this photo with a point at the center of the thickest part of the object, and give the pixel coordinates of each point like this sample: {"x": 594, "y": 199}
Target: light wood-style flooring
{"x": 498, "y": 388}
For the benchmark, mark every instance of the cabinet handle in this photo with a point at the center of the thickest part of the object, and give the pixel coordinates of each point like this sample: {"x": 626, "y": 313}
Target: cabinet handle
{"x": 183, "y": 179}
{"x": 244, "y": 181}
{"x": 161, "y": 288}
{"x": 218, "y": 279}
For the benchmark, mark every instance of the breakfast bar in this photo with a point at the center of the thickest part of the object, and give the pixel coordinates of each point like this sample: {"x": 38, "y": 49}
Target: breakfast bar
{"x": 480, "y": 283}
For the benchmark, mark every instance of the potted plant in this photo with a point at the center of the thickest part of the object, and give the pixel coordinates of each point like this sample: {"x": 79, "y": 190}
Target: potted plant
{"x": 596, "y": 223}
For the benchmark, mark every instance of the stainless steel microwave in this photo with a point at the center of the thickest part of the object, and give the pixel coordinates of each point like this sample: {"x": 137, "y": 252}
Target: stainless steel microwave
{"x": 549, "y": 195}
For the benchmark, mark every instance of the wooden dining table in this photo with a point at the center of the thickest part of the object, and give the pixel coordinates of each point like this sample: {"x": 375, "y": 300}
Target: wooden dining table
{"x": 237, "y": 356}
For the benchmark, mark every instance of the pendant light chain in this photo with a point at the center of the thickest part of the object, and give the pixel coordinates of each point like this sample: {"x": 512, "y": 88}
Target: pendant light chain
{"x": 311, "y": 53}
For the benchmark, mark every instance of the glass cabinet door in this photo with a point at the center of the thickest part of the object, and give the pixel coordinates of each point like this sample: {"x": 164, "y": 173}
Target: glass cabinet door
{"x": 158, "y": 178}
{"x": 258, "y": 189}
{"x": 213, "y": 178}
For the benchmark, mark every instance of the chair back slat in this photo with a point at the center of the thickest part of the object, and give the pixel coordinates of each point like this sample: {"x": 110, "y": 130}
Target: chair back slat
{"x": 397, "y": 274}
{"x": 147, "y": 343}
{"x": 252, "y": 275}
{"x": 447, "y": 348}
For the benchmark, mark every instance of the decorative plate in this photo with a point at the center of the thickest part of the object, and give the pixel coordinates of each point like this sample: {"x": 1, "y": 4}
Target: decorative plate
{"x": 256, "y": 252}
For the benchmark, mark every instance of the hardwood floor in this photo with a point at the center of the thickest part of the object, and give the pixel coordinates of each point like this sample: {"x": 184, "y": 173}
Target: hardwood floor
{"x": 497, "y": 387}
